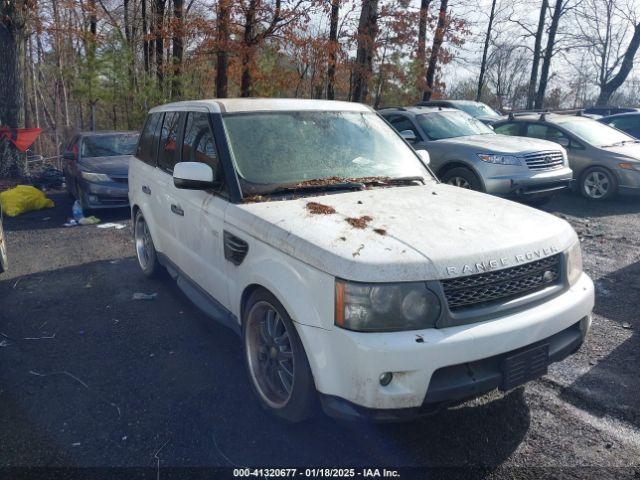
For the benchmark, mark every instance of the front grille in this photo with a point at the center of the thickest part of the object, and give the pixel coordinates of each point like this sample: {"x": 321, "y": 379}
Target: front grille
{"x": 546, "y": 160}
{"x": 484, "y": 288}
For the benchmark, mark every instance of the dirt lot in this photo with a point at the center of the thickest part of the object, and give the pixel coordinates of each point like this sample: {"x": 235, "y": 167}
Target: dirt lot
{"x": 90, "y": 377}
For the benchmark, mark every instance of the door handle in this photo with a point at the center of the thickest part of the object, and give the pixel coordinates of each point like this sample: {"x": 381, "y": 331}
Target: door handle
{"x": 177, "y": 210}
{"x": 146, "y": 189}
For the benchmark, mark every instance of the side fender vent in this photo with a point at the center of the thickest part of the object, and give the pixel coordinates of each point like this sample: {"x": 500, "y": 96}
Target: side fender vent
{"x": 235, "y": 249}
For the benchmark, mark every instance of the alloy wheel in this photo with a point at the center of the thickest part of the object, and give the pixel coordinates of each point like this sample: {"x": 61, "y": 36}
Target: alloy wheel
{"x": 144, "y": 243}
{"x": 596, "y": 184}
{"x": 270, "y": 355}
{"x": 459, "y": 182}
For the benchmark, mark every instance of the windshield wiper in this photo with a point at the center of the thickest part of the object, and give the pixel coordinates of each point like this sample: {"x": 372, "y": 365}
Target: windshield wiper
{"x": 318, "y": 188}
{"x": 396, "y": 181}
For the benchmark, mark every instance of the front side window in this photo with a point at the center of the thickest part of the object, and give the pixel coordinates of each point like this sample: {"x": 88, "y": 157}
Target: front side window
{"x": 402, "y": 123}
{"x": 544, "y": 132}
{"x": 287, "y": 148}
{"x": 149, "y": 139}
{"x": 451, "y": 124}
{"x": 199, "y": 144}
{"x": 168, "y": 137}
{"x": 110, "y": 145}
{"x": 595, "y": 133}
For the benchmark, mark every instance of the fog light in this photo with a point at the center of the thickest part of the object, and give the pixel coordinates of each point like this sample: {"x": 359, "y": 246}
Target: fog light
{"x": 385, "y": 378}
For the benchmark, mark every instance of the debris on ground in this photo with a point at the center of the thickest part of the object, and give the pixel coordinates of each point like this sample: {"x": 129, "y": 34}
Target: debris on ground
{"x": 626, "y": 325}
{"x": 23, "y": 199}
{"x": 89, "y": 220}
{"x": 359, "y": 222}
{"x": 380, "y": 231}
{"x": 117, "y": 226}
{"x": 320, "y": 209}
{"x": 144, "y": 296}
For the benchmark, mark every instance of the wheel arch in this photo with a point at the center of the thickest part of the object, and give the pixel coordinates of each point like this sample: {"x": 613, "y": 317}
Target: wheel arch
{"x": 451, "y": 164}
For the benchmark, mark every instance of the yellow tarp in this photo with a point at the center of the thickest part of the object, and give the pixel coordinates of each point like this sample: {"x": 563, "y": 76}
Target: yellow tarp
{"x": 23, "y": 198}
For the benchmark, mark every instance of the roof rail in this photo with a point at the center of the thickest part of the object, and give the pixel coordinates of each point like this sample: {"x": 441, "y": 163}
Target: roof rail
{"x": 392, "y": 106}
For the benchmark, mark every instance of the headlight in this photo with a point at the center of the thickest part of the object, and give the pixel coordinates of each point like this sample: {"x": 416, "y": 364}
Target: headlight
{"x": 380, "y": 307}
{"x": 500, "y": 159}
{"x": 95, "y": 177}
{"x": 574, "y": 263}
{"x": 630, "y": 166}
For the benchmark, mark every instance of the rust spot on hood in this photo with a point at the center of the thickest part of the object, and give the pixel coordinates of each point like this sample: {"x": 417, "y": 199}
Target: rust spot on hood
{"x": 320, "y": 209}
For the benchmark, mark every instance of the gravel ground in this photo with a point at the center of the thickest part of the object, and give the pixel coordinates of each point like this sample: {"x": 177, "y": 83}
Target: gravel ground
{"x": 91, "y": 378}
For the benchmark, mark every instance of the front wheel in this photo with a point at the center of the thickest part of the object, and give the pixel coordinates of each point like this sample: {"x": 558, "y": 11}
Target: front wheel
{"x": 276, "y": 360}
{"x": 145, "y": 249}
{"x": 598, "y": 183}
{"x": 463, "y": 178}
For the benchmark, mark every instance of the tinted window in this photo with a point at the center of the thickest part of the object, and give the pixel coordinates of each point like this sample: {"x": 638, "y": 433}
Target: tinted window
{"x": 626, "y": 123}
{"x": 401, "y": 123}
{"x": 508, "y": 129}
{"x": 199, "y": 144}
{"x": 109, "y": 145}
{"x": 168, "y": 137}
{"x": 148, "y": 140}
{"x": 545, "y": 132}
{"x": 593, "y": 132}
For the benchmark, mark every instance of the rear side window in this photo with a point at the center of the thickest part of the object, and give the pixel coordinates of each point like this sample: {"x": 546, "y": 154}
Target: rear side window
{"x": 508, "y": 129}
{"x": 148, "y": 140}
{"x": 544, "y": 132}
{"x": 167, "y": 156}
{"x": 199, "y": 143}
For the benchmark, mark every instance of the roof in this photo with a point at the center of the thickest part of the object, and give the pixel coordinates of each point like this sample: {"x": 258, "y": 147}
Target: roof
{"x": 618, "y": 115}
{"x": 543, "y": 117}
{"x": 234, "y": 105}
{"x": 417, "y": 109}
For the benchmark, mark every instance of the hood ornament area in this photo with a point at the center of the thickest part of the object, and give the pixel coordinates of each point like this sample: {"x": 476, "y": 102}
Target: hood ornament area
{"x": 503, "y": 262}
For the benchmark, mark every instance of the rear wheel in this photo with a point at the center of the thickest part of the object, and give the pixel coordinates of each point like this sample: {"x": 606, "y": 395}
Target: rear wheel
{"x": 463, "y": 178}
{"x": 145, "y": 249}
{"x": 276, "y": 360}
{"x": 598, "y": 183}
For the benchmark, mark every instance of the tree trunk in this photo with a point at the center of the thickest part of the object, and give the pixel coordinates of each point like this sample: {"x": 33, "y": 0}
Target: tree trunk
{"x": 548, "y": 54}
{"x": 12, "y": 46}
{"x": 178, "y": 49}
{"x": 422, "y": 31}
{"x": 533, "y": 80}
{"x": 222, "y": 75}
{"x": 438, "y": 39}
{"x": 91, "y": 54}
{"x": 333, "y": 49}
{"x": 145, "y": 40}
{"x": 487, "y": 40}
{"x": 159, "y": 41}
{"x": 612, "y": 85}
{"x": 247, "y": 50}
{"x": 367, "y": 32}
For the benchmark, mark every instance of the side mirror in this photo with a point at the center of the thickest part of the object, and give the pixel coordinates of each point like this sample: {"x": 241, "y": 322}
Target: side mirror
{"x": 408, "y": 135}
{"x": 424, "y": 156}
{"x": 563, "y": 142}
{"x": 193, "y": 176}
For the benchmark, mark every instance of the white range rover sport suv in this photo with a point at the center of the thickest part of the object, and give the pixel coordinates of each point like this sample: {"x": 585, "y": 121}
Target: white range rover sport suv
{"x": 356, "y": 279}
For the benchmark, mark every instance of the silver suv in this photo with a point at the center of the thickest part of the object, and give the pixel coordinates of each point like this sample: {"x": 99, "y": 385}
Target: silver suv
{"x": 466, "y": 153}
{"x": 606, "y": 161}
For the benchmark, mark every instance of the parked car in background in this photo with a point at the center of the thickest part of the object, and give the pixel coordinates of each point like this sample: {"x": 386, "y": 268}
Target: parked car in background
{"x": 352, "y": 275}
{"x": 96, "y": 168}
{"x": 466, "y": 153}
{"x": 627, "y": 122}
{"x": 606, "y": 110}
{"x": 479, "y": 110}
{"x": 605, "y": 161}
{"x": 4, "y": 263}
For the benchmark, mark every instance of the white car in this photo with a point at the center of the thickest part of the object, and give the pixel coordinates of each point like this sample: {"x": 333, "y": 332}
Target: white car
{"x": 354, "y": 277}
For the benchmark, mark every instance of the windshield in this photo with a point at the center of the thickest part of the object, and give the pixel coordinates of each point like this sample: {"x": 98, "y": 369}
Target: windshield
{"x": 109, "y": 145}
{"x": 595, "y": 133}
{"x": 478, "y": 110}
{"x": 289, "y": 148}
{"x": 451, "y": 124}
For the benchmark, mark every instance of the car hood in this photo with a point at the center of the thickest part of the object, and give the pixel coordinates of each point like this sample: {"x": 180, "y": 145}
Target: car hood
{"x": 116, "y": 165}
{"x": 423, "y": 232}
{"x": 502, "y": 143}
{"x": 631, "y": 150}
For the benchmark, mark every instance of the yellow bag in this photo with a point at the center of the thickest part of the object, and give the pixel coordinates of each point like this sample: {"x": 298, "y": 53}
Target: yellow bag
{"x": 23, "y": 198}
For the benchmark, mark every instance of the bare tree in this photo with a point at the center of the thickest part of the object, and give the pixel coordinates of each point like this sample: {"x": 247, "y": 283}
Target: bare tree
{"x": 438, "y": 39}
{"x": 548, "y": 53}
{"x": 487, "y": 40}
{"x": 363, "y": 68}
{"x": 222, "y": 55}
{"x": 333, "y": 48}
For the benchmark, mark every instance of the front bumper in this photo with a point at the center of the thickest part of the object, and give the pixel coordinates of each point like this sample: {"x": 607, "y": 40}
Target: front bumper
{"x": 430, "y": 367}
{"x": 529, "y": 183}
{"x": 106, "y": 194}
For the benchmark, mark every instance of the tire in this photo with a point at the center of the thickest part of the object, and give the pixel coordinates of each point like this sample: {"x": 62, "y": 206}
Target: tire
{"x": 276, "y": 362}
{"x": 463, "y": 178}
{"x": 145, "y": 249}
{"x": 598, "y": 183}
{"x": 80, "y": 197}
